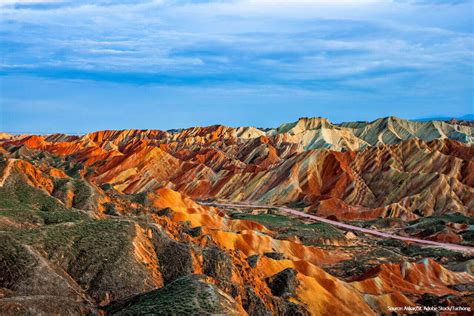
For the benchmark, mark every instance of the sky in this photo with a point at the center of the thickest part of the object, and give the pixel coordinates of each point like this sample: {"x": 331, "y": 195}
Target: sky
{"x": 75, "y": 66}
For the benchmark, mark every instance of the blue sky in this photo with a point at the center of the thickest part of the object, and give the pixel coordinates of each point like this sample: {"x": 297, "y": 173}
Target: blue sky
{"x": 83, "y": 65}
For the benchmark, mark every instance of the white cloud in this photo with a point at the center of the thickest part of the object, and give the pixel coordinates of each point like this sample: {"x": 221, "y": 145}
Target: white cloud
{"x": 15, "y": 2}
{"x": 259, "y": 40}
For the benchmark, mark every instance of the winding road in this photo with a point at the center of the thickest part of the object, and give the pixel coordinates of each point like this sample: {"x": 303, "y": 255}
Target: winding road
{"x": 347, "y": 226}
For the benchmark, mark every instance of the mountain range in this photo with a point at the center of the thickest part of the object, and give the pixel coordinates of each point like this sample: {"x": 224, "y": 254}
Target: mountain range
{"x": 128, "y": 221}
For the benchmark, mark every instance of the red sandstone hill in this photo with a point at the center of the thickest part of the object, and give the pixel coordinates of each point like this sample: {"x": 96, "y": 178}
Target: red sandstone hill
{"x": 386, "y": 168}
{"x": 108, "y": 222}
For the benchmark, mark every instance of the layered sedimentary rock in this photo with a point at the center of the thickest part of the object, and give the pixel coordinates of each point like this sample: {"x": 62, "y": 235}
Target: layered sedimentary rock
{"x": 386, "y": 168}
{"x": 109, "y": 222}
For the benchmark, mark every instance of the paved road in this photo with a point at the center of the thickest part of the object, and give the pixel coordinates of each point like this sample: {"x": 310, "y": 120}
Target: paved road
{"x": 347, "y": 226}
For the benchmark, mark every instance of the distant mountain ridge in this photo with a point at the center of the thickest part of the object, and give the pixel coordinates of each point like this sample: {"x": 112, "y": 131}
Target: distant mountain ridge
{"x": 426, "y": 166}
{"x": 467, "y": 117}
{"x": 310, "y": 133}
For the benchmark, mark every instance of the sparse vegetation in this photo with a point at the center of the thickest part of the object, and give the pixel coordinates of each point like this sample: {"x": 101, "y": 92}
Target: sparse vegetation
{"x": 15, "y": 262}
{"x": 185, "y": 296}
{"x": 82, "y": 194}
{"x": 110, "y": 209}
{"x": 140, "y": 198}
{"x": 25, "y": 204}
{"x": 74, "y": 171}
{"x": 417, "y": 252}
{"x": 288, "y": 226}
{"x": 269, "y": 220}
{"x": 425, "y": 222}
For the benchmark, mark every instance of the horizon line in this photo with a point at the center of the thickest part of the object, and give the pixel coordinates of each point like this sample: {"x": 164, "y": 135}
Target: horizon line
{"x": 440, "y": 118}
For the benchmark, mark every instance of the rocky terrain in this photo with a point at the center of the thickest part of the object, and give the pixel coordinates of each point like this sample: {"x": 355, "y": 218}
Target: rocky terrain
{"x": 121, "y": 222}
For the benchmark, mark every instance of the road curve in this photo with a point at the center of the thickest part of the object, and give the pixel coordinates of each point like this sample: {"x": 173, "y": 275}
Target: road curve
{"x": 347, "y": 226}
